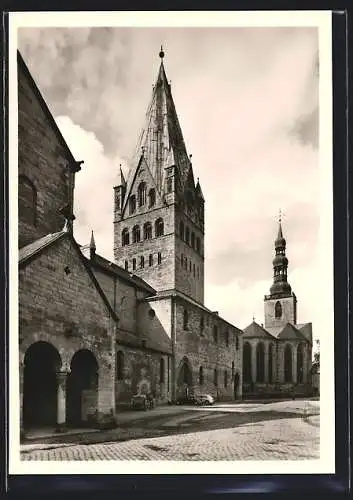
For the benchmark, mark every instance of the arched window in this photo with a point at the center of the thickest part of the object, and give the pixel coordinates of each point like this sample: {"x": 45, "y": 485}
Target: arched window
{"x": 161, "y": 371}
{"x": 132, "y": 204}
{"x": 215, "y": 333}
{"x": 237, "y": 342}
{"x": 169, "y": 185}
{"x": 233, "y": 369}
{"x": 142, "y": 262}
{"x": 141, "y": 192}
{"x": 187, "y": 235}
{"x": 215, "y": 377}
{"x": 288, "y": 364}
{"x": 225, "y": 378}
{"x": 260, "y": 363}
{"x": 193, "y": 240}
{"x": 150, "y": 260}
{"x": 126, "y": 265}
{"x": 125, "y": 237}
{"x": 201, "y": 375}
{"x": 185, "y": 319}
{"x": 119, "y": 365}
{"x": 278, "y": 310}
{"x": 147, "y": 231}
{"x": 27, "y": 201}
{"x": 159, "y": 258}
{"x": 202, "y": 324}
{"x": 159, "y": 227}
{"x": 194, "y": 270}
{"x": 186, "y": 263}
{"x": 151, "y": 197}
{"x": 247, "y": 363}
{"x": 270, "y": 363}
{"x": 300, "y": 364}
{"x": 198, "y": 245}
{"x": 134, "y": 264}
{"x": 181, "y": 230}
{"x": 226, "y": 334}
{"x": 136, "y": 236}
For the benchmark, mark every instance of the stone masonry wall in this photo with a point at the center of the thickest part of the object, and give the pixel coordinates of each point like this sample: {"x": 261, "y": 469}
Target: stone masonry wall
{"x": 142, "y": 374}
{"x": 278, "y": 384}
{"x": 67, "y": 311}
{"x": 288, "y": 312}
{"x": 200, "y": 348}
{"x": 42, "y": 159}
{"x": 159, "y": 276}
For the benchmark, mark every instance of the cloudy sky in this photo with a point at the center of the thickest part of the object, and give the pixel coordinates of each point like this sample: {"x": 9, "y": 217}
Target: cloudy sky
{"x": 247, "y": 101}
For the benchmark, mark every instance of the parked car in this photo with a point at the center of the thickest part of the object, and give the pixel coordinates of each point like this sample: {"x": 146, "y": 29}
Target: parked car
{"x": 205, "y": 399}
{"x": 142, "y": 402}
{"x": 186, "y": 400}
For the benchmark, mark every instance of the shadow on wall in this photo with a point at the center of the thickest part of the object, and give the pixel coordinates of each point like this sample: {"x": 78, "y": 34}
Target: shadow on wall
{"x": 145, "y": 370}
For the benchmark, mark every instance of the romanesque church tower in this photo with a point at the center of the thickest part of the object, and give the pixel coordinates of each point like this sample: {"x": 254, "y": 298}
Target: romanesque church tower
{"x": 159, "y": 209}
{"x": 281, "y": 303}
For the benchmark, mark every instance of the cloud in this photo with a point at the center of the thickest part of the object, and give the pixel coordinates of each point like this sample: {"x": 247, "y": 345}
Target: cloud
{"x": 247, "y": 101}
{"x": 93, "y": 203}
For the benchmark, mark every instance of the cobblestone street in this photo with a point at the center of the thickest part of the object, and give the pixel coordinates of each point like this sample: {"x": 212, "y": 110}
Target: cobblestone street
{"x": 295, "y": 438}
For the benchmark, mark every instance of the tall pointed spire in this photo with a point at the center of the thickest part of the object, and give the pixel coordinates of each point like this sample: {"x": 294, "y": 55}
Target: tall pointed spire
{"x": 122, "y": 177}
{"x": 161, "y": 139}
{"x": 280, "y": 286}
{"x": 92, "y": 246}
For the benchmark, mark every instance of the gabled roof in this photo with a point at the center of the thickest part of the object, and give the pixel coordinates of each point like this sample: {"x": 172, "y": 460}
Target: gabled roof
{"x": 33, "y": 250}
{"x": 112, "y": 268}
{"x": 161, "y": 140}
{"x": 74, "y": 165}
{"x": 166, "y": 294}
{"x": 290, "y": 332}
{"x": 256, "y": 331}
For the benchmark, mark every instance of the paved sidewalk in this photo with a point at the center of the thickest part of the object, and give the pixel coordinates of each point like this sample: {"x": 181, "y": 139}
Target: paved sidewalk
{"x": 174, "y": 420}
{"x": 285, "y": 439}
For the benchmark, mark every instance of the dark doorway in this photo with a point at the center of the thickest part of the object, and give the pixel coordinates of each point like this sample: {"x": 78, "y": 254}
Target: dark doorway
{"x": 40, "y": 386}
{"x": 82, "y": 388}
{"x": 236, "y": 384}
{"x": 185, "y": 379}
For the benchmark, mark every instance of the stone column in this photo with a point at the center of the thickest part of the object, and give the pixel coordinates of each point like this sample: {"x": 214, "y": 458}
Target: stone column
{"x": 253, "y": 363}
{"x": 305, "y": 365}
{"x": 266, "y": 362}
{"x": 280, "y": 365}
{"x": 294, "y": 362}
{"x": 61, "y": 400}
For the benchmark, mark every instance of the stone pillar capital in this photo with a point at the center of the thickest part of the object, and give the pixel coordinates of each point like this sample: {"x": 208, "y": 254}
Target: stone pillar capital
{"x": 61, "y": 376}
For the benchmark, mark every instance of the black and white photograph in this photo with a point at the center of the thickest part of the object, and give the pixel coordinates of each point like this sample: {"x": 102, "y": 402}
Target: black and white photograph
{"x": 171, "y": 242}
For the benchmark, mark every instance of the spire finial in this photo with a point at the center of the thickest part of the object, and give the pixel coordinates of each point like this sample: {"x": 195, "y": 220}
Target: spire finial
{"x": 92, "y": 244}
{"x": 280, "y": 214}
{"x": 161, "y": 53}
{"x": 253, "y": 317}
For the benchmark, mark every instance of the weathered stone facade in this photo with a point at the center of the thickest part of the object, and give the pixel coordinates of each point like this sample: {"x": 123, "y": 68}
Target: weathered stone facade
{"x": 77, "y": 312}
{"x": 61, "y": 310}
{"x": 165, "y": 169}
{"x": 277, "y": 355}
{"x": 41, "y": 148}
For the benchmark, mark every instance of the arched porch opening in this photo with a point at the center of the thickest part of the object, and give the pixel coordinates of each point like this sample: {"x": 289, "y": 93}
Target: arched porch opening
{"x": 42, "y": 361}
{"x": 82, "y": 388}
